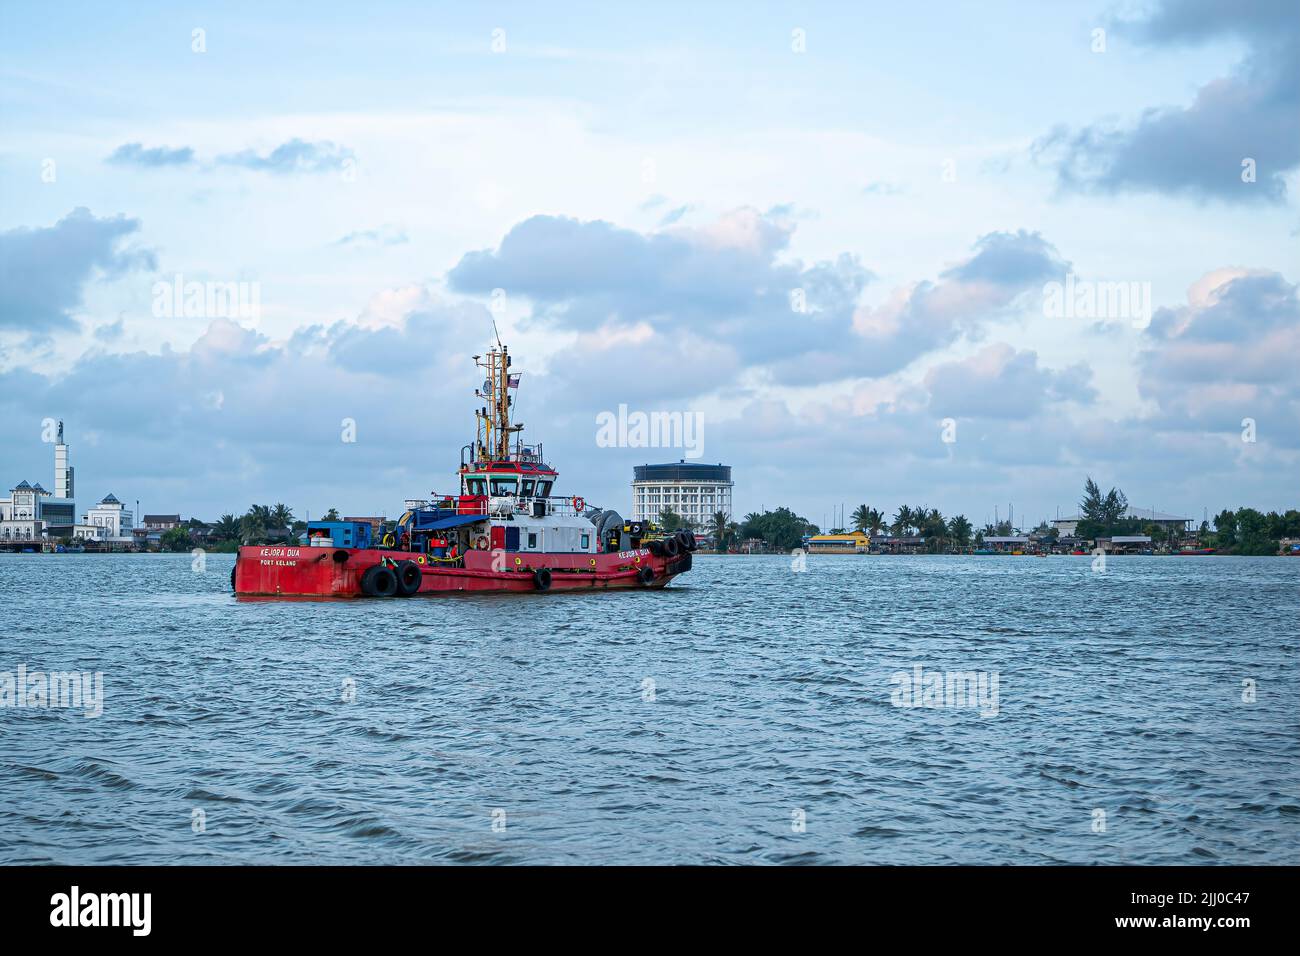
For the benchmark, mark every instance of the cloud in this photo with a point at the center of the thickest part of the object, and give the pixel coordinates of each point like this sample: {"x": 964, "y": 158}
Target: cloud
{"x": 384, "y": 235}
{"x": 729, "y": 282}
{"x": 1228, "y": 354}
{"x": 43, "y": 269}
{"x": 1198, "y": 150}
{"x": 929, "y": 315}
{"x": 294, "y": 156}
{"x": 134, "y": 154}
{"x": 1000, "y": 382}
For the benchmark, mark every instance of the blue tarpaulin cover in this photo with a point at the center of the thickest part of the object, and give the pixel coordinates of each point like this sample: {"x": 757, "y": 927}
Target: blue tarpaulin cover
{"x": 453, "y": 522}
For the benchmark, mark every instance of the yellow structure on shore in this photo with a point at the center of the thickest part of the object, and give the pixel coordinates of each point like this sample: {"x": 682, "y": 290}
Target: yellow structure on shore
{"x": 851, "y": 542}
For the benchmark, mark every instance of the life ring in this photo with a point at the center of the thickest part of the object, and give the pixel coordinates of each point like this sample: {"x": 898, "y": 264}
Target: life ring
{"x": 578, "y": 503}
{"x": 481, "y": 542}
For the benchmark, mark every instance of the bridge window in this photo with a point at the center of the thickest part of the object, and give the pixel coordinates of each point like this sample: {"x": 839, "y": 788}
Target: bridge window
{"x": 527, "y": 491}
{"x": 543, "y": 488}
{"x": 504, "y": 486}
{"x": 476, "y": 486}
{"x": 532, "y": 539}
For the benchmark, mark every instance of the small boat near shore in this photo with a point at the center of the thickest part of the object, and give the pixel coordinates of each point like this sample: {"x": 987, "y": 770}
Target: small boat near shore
{"x": 504, "y": 531}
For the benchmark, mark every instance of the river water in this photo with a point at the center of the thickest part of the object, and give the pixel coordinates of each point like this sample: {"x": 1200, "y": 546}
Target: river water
{"x": 1148, "y": 713}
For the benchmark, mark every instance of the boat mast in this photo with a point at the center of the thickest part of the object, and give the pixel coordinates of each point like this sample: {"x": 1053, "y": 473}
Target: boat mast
{"x": 494, "y": 428}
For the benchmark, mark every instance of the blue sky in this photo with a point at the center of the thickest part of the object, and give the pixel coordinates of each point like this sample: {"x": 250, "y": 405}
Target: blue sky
{"x": 647, "y": 188}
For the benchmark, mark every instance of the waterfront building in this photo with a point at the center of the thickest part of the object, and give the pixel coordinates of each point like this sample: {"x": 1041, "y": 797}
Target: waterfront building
{"x": 1166, "y": 522}
{"x": 851, "y": 542}
{"x": 1125, "y": 543}
{"x": 1009, "y": 542}
{"x": 114, "y": 521}
{"x": 901, "y": 544}
{"x": 161, "y": 522}
{"x": 30, "y": 510}
{"x": 693, "y": 490}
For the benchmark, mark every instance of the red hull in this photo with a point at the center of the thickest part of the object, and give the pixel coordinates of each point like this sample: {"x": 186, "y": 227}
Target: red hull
{"x": 265, "y": 571}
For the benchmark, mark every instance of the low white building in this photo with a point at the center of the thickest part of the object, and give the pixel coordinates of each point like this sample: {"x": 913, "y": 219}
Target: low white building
{"x": 1066, "y": 526}
{"x": 111, "y": 519}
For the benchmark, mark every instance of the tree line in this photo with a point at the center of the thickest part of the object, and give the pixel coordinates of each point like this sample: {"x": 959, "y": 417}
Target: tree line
{"x": 1245, "y": 531}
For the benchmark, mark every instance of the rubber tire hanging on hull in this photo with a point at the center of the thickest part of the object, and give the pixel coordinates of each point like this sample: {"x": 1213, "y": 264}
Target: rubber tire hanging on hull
{"x": 671, "y": 547}
{"x": 542, "y": 579}
{"x": 232, "y": 574}
{"x": 379, "y": 581}
{"x": 646, "y": 576}
{"x": 409, "y": 577}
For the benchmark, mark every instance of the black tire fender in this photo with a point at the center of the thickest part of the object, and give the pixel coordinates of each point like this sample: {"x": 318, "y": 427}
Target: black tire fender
{"x": 379, "y": 581}
{"x": 409, "y": 578}
{"x": 646, "y": 575}
{"x": 671, "y": 547}
{"x": 542, "y": 579}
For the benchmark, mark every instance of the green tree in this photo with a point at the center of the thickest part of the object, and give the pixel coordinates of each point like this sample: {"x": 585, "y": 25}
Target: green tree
{"x": 720, "y": 527}
{"x": 254, "y": 523}
{"x": 226, "y": 528}
{"x": 959, "y": 529}
{"x": 902, "y": 521}
{"x": 780, "y": 530}
{"x": 1106, "y": 511}
{"x": 176, "y": 539}
{"x": 331, "y": 515}
{"x": 281, "y": 516}
{"x": 670, "y": 520}
{"x": 861, "y": 517}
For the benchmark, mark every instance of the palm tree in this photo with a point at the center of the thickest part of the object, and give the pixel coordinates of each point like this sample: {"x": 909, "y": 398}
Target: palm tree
{"x": 902, "y": 521}
{"x": 719, "y": 527}
{"x": 959, "y": 529}
{"x": 281, "y": 516}
{"x": 226, "y": 528}
{"x": 875, "y": 522}
{"x": 252, "y": 527}
{"x": 861, "y": 517}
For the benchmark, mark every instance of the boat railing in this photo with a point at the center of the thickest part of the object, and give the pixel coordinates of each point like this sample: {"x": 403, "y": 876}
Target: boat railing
{"x": 507, "y": 504}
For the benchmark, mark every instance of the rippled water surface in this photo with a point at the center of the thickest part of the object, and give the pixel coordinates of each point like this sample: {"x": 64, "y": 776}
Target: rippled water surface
{"x": 699, "y": 724}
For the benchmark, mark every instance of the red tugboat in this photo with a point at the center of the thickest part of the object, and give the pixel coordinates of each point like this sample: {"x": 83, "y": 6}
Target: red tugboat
{"x": 504, "y": 531}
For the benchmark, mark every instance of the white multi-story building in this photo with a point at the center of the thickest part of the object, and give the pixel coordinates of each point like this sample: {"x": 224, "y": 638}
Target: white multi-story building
{"x": 111, "y": 518}
{"x": 692, "y": 490}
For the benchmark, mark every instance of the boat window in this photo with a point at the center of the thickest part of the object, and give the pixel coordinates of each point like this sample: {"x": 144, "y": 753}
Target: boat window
{"x": 543, "y": 488}
{"x": 476, "y": 486}
{"x": 527, "y": 486}
{"x": 504, "y": 486}
{"x": 586, "y": 540}
{"x": 532, "y": 539}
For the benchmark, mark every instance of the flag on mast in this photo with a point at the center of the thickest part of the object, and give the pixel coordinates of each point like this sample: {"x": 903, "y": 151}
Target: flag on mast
{"x": 512, "y": 381}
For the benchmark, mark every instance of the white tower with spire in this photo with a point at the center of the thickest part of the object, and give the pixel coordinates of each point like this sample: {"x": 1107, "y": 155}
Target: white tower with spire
{"x": 63, "y": 485}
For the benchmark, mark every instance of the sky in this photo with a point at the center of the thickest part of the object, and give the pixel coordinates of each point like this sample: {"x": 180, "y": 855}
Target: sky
{"x": 954, "y": 255}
